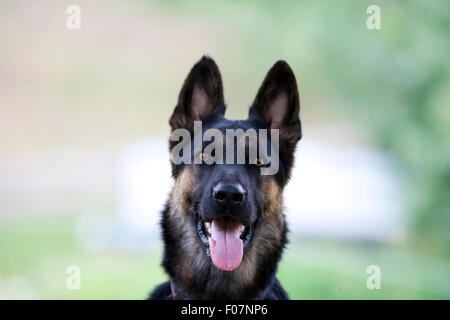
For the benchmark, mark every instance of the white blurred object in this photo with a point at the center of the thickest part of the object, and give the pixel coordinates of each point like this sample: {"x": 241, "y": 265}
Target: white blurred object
{"x": 334, "y": 191}
{"x": 144, "y": 180}
{"x": 343, "y": 192}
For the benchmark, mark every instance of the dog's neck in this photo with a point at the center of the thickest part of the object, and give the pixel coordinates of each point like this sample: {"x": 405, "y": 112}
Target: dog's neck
{"x": 178, "y": 294}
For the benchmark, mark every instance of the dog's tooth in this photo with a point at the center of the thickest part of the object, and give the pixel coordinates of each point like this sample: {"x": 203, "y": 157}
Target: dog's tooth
{"x": 242, "y": 228}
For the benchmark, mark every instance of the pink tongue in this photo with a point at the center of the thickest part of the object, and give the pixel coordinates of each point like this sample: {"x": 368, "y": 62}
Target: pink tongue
{"x": 225, "y": 245}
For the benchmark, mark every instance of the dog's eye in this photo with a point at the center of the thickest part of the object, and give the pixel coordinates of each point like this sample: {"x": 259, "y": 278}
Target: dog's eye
{"x": 258, "y": 162}
{"x": 203, "y": 156}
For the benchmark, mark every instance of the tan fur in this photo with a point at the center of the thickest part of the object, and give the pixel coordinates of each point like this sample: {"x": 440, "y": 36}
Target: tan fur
{"x": 272, "y": 197}
{"x": 181, "y": 192}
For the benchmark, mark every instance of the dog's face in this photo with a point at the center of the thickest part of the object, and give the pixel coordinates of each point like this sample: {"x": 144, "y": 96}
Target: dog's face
{"x": 227, "y": 212}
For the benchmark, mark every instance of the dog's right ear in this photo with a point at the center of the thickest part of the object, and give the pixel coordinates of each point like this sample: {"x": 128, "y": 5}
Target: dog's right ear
{"x": 200, "y": 97}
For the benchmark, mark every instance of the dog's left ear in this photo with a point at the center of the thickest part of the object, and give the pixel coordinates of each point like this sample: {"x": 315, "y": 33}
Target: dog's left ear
{"x": 278, "y": 103}
{"x": 200, "y": 97}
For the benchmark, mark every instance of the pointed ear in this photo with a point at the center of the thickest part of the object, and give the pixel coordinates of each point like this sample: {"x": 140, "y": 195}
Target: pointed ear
{"x": 200, "y": 97}
{"x": 278, "y": 104}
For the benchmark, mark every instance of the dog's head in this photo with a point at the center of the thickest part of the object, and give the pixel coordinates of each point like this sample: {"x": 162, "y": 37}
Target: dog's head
{"x": 227, "y": 204}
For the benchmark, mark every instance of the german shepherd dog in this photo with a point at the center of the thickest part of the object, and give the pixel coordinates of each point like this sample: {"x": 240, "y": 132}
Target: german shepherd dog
{"x": 223, "y": 225}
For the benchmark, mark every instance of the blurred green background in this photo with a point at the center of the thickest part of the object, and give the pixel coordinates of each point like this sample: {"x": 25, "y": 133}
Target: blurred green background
{"x": 71, "y": 100}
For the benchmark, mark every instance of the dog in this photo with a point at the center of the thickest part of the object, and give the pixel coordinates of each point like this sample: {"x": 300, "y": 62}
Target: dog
{"x": 223, "y": 225}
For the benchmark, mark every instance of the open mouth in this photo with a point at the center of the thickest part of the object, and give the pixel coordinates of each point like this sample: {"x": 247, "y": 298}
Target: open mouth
{"x": 225, "y": 239}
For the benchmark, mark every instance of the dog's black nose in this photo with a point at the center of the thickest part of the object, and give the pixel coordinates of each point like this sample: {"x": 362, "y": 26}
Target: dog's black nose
{"x": 229, "y": 193}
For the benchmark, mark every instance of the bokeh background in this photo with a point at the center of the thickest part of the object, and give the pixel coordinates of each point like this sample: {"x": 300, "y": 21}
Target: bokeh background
{"x": 84, "y": 167}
